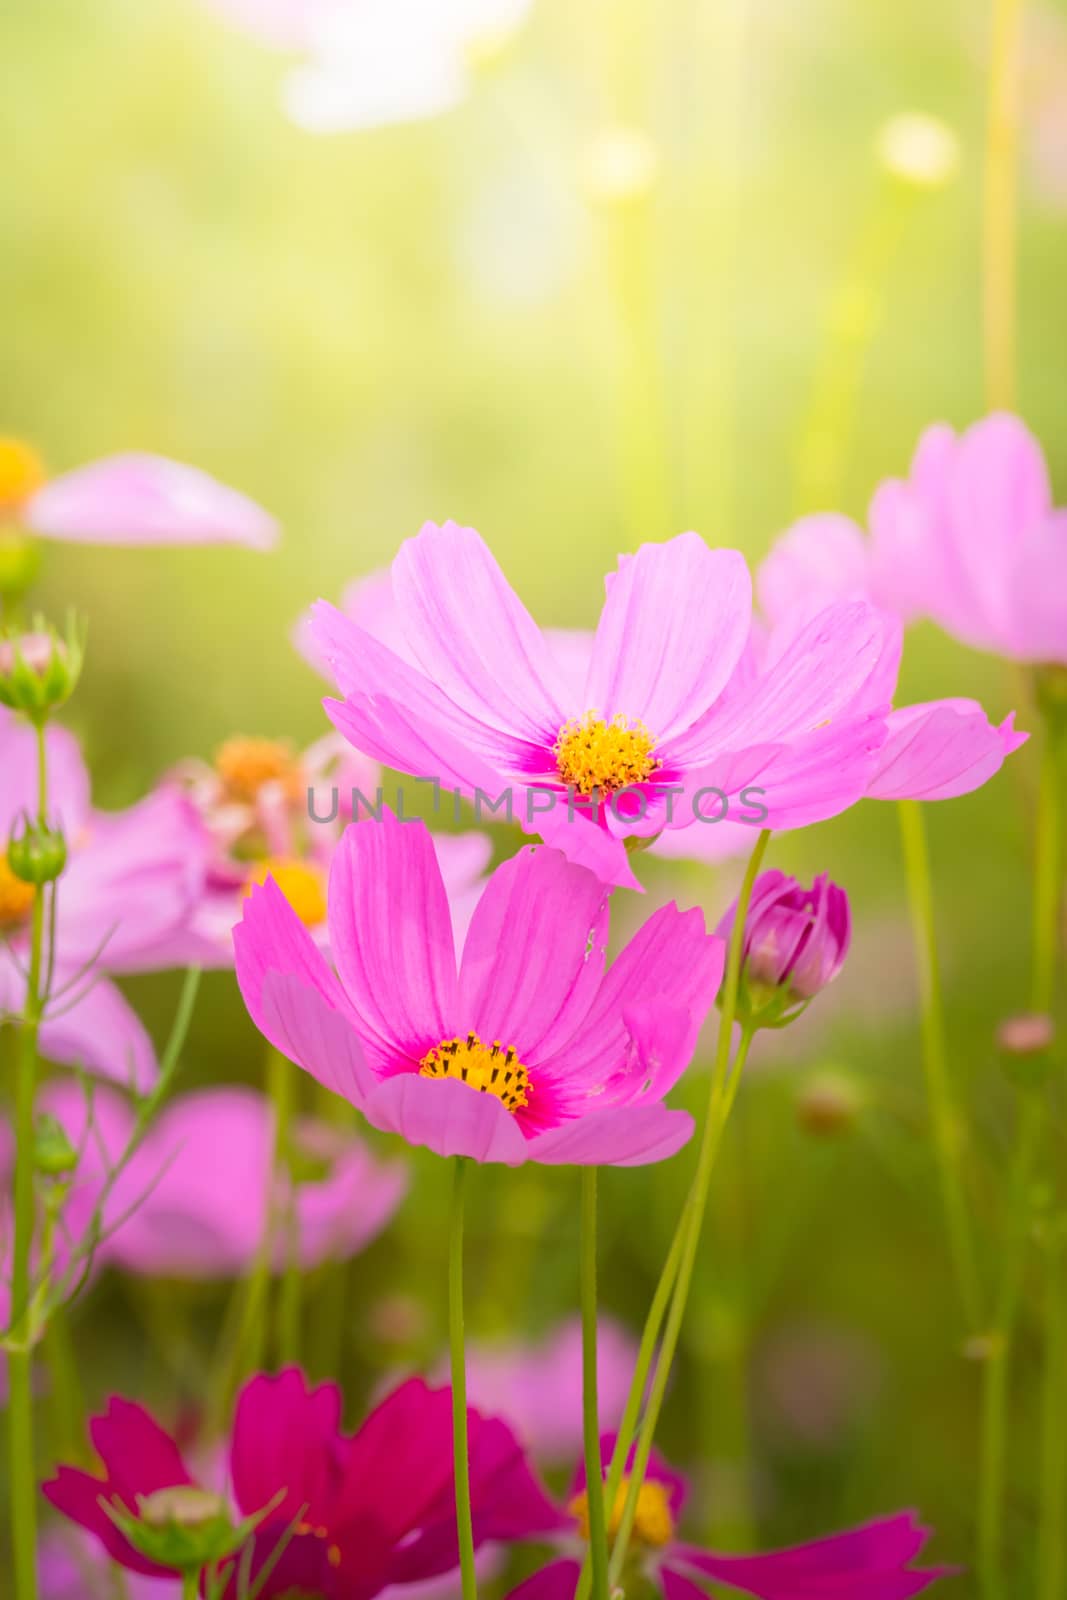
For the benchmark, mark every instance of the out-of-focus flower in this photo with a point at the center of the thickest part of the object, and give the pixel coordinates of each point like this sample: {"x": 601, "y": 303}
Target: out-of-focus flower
{"x": 194, "y": 1199}
{"x": 875, "y": 1560}
{"x": 127, "y": 499}
{"x": 271, "y": 811}
{"x": 828, "y": 1102}
{"x": 619, "y": 164}
{"x": 919, "y": 149}
{"x": 1030, "y": 1034}
{"x": 360, "y": 1512}
{"x": 815, "y": 1385}
{"x": 532, "y": 1052}
{"x": 71, "y": 1565}
{"x": 538, "y": 1387}
{"x": 671, "y": 712}
{"x": 795, "y": 943}
{"x": 130, "y": 884}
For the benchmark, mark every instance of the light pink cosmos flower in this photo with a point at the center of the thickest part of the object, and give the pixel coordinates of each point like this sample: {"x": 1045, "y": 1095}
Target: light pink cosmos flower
{"x": 131, "y": 881}
{"x": 537, "y": 1388}
{"x": 192, "y": 1202}
{"x": 532, "y": 1052}
{"x": 133, "y": 499}
{"x": 271, "y": 811}
{"x": 670, "y": 711}
{"x": 971, "y": 539}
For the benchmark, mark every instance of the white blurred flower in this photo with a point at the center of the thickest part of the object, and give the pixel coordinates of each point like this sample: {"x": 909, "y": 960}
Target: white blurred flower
{"x": 619, "y": 164}
{"x": 920, "y": 149}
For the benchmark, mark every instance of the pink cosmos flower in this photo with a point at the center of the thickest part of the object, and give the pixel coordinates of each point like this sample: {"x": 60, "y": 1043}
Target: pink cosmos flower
{"x": 670, "y": 712}
{"x": 531, "y": 1052}
{"x": 971, "y": 539}
{"x": 272, "y": 811}
{"x": 538, "y": 1387}
{"x": 128, "y": 499}
{"x": 192, "y": 1202}
{"x": 795, "y": 939}
{"x": 370, "y": 1510}
{"x": 131, "y": 881}
{"x": 872, "y": 1562}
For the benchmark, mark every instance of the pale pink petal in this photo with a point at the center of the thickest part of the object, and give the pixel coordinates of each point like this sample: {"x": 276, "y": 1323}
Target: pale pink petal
{"x": 145, "y": 499}
{"x": 674, "y": 625}
{"x": 819, "y": 560}
{"x": 941, "y": 749}
{"x": 447, "y": 1117}
{"x": 271, "y": 938}
{"x": 620, "y": 1136}
{"x": 95, "y": 1028}
{"x": 68, "y": 777}
{"x": 391, "y": 938}
{"x": 300, "y": 1023}
{"x": 1039, "y": 593}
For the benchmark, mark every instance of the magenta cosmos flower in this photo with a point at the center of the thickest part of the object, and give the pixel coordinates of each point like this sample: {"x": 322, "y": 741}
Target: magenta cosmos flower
{"x": 193, "y": 1200}
{"x": 128, "y": 499}
{"x": 872, "y": 1562}
{"x": 368, "y": 1510}
{"x": 132, "y": 880}
{"x": 531, "y": 1052}
{"x": 795, "y": 939}
{"x": 971, "y": 539}
{"x": 668, "y": 721}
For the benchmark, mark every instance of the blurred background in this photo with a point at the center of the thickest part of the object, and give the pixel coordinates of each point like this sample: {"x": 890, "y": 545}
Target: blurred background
{"x": 474, "y": 316}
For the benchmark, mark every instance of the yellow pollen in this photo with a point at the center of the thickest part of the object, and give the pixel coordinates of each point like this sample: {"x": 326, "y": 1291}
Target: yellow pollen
{"x": 245, "y": 765}
{"x": 491, "y": 1069}
{"x": 607, "y": 756}
{"x": 16, "y": 897}
{"x": 301, "y": 884}
{"x": 21, "y": 473}
{"x": 653, "y": 1522}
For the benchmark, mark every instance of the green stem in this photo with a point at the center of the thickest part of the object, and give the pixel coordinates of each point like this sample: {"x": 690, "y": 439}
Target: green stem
{"x": 944, "y": 1118}
{"x": 20, "y": 1360}
{"x": 1048, "y": 873}
{"x": 190, "y": 1585}
{"x": 594, "y": 1471}
{"x": 460, "y": 1450}
{"x": 723, "y": 1091}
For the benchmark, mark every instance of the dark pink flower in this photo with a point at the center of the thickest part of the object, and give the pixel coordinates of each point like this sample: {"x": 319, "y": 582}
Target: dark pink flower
{"x": 367, "y": 1510}
{"x": 796, "y": 939}
{"x": 872, "y": 1562}
{"x": 531, "y": 1051}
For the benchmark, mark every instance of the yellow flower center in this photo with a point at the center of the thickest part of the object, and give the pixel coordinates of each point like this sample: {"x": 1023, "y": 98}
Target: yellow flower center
{"x": 16, "y": 897}
{"x": 653, "y": 1523}
{"x": 245, "y": 765}
{"x": 594, "y": 754}
{"x": 21, "y": 473}
{"x": 304, "y": 1530}
{"x": 489, "y": 1068}
{"x": 301, "y": 884}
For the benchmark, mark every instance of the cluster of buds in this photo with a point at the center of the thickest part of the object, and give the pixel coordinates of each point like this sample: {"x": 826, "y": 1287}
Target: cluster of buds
{"x": 795, "y": 943}
{"x": 39, "y": 670}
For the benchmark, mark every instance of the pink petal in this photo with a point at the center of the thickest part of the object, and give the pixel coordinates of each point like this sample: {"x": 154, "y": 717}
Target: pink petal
{"x": 556, "y": 1581}
{"x": 396, "y": 1466}
{"x": 534, "y": 954}
{"x": 284, "y": 1436}
{"x": 270, "y": 938}
{"x": 68, "y": 777}
{"x": 304, "y": 1027}
{"x": 819, "y": 560}
{"x": 146, "y": 499}
{"x": 447, "y": 1117}
{"x": 620, "y": 1136}
{"x": 94, "y": 1027}
{"x": 1039, "y": 594}
{"x": 941, "y": 749}
{"x": 473, "y": 636}
{"x": 391, "y": 938}
{"x": 138, "y": 1455}
{"x": 673, "y": 628}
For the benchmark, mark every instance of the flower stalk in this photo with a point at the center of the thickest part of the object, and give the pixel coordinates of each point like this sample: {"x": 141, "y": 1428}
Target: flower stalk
{"x": 594, "y": 1475}
{"x": 460, "y": 1443}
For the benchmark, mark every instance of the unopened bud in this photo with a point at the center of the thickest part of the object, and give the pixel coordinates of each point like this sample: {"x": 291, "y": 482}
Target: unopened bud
{"x": 828, "y": 1103}
{"x": 1025, "y": 1044}
{"x": 795, "y": 943}
{"x": 53, "y": 1154}
{"x": 183, "y": 1527}
{"x": 39, "y": 670}
{"x": 36, "y": 853}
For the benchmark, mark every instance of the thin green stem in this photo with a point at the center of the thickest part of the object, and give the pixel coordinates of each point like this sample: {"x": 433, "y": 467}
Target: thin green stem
{"x": 190, "y": 1585}
{"x": 594, "y": 1471}
{"x": 999, "y": 210}
{"x": 944, "y": 1117}
{"x": 460, "y": 1447}
{"x": 253, "y": 1342}
{"x": 720, "y": 1100}
{"x": 1048, "y": 872}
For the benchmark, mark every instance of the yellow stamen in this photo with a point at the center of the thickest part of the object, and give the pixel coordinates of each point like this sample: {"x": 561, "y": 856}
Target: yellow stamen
{"x": 653, "y": 1522}
{"x": 245, "y": 765}
{"x": 16, "y": 897}
{"x": 491, "y": 1069}
{"x": 21, "y": 473}
{"x": 606, "y": 756}
{"x": 300, "y": 883}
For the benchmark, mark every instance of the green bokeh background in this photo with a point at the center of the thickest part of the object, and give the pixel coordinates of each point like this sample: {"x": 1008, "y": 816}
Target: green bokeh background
{"x": 418, "y": 322}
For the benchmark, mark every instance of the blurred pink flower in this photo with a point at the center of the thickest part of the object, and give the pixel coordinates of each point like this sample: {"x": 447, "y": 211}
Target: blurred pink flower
{"x": 128, "y": 499}
{"x": 271, "y": 811}
{"x": 532, "y": 1052}
{"x": 537, "y": 1388}
{"x": 372, "y": 1510}
{"x": 131, "y": 882}
{"x": 72, "y": 1565}
{"x": 872, "y": 1562}
{"x": 193, "y": 1200}
{"x": 671, "y": 706}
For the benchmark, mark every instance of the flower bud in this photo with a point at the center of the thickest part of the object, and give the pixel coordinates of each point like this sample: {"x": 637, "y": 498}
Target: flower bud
{"x": 795, "y": 943}
{"x": 1025, "y": 1044}
{"x": 39, "y": 670}
{"x": 183, "y": 1528}
{"x": 36, "y": 853}
{"x": 828, "y": 1103}
{"x": 53, "y": 1154}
